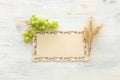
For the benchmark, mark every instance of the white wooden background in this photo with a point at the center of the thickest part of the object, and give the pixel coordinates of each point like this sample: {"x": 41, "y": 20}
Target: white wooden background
{"x": 15, "y": 55}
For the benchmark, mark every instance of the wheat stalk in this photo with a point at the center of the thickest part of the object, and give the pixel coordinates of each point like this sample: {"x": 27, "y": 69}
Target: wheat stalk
{"x": 89, "y": 33}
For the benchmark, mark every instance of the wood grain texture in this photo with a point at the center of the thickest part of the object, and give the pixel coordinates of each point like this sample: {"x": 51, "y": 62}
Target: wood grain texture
{"x": 15, "y": 55}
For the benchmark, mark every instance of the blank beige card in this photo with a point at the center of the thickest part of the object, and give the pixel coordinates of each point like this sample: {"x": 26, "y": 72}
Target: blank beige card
{"x": 59, "y": 46}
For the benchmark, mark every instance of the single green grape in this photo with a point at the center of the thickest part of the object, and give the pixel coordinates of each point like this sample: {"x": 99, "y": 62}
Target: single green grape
{"x": 34, "y": 17}
{"x": 24, "y": 33}
{"x": 46, "y": 23}
{"x": 53, "y": 24}
{"x": 27, "y": 39}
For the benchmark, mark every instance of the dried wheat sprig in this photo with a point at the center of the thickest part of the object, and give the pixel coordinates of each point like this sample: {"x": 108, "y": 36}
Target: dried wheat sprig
{"x": 90, "y": 32}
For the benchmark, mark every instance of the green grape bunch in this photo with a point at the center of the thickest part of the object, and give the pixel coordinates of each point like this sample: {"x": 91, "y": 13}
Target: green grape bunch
{"x": 36, "y": 24}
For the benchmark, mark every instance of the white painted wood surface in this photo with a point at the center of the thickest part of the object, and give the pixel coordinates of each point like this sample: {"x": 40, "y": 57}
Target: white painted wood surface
{"x": 15, "y": 55}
